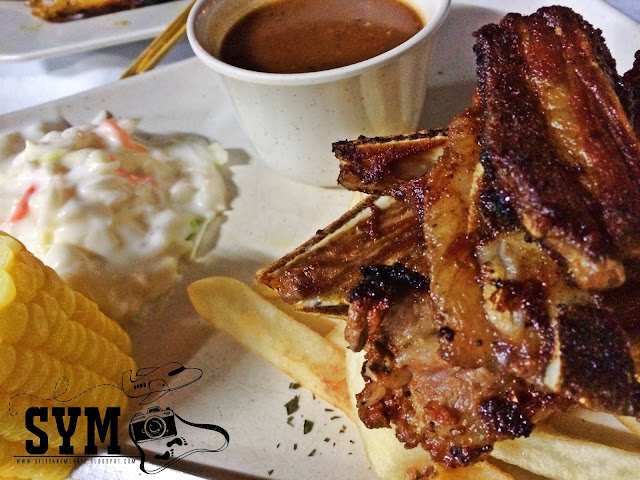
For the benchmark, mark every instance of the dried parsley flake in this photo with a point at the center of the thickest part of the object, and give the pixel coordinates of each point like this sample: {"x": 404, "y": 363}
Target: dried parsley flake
{"x": 292, "y": 405}
{"x": 308, "y": 426}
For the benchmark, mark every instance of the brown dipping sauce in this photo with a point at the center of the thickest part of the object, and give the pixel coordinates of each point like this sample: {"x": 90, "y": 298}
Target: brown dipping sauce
{"x": 297, "y": 36}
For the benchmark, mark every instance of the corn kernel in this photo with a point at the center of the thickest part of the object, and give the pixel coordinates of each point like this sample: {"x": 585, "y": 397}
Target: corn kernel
{"x": 13, "y": 322}
{"x": 37, "y": 326}
{"x": 7, "y": 289}
{"x": 22, "y": 371}
{"x": 7, "y": 362}
{"x": 6, "y": 256}
{"x": 26, "y": 281}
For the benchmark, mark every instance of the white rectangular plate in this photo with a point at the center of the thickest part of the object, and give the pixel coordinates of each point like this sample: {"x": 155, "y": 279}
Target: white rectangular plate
{"x": 25, "y": 37}
{"x": 269, "y": 216}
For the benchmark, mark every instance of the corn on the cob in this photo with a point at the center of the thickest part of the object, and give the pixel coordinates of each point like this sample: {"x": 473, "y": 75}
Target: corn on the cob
{"x": 56, "y": 349}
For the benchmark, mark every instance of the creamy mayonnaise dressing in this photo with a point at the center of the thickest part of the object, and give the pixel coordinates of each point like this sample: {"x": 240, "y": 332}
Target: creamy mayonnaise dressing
{"x": 113, "y": 210}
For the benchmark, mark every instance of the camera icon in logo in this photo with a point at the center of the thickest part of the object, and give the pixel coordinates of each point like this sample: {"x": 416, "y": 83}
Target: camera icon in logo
{"x": 156, "y": 424}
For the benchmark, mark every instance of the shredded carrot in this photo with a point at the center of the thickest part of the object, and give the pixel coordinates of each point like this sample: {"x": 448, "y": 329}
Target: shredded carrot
{"x": 135, "y": 178}
{"x": 129, "y": 143}
{"x": 21, "y": 208}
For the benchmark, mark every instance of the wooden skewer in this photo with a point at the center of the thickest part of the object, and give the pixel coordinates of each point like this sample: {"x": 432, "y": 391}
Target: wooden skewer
{"x": 162, "y": 44}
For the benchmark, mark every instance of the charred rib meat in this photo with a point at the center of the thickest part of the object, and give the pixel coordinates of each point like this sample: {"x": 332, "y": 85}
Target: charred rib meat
{"x": 569, "y": 160}
{"x": 378, "y": 165}
{"x": 318, "y": 275}
{"x": 64, "y": 10}
{"x": 455, "y": 413}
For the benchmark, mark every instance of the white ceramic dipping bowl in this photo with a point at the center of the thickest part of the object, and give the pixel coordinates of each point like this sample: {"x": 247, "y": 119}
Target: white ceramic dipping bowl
{"x": 292, "y": 119}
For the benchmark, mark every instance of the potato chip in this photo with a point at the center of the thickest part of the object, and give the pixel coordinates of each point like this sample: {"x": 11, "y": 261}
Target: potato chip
{"x": 551, "y": 454}
{"x": 631, "y": 423}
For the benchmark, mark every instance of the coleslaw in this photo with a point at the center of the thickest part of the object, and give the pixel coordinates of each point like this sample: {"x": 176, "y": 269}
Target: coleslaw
{"x": 115, "y": 211}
